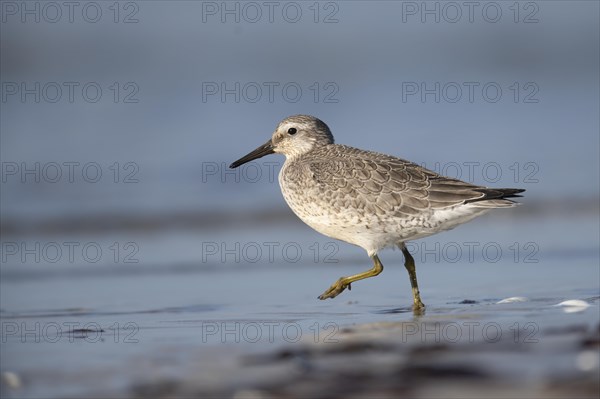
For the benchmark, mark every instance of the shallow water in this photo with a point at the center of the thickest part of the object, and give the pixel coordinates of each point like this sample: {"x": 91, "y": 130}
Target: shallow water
{"x": 194, "y": 321}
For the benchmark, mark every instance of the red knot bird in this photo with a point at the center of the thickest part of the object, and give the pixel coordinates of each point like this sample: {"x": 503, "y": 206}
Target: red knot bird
{"x": 369, "y": 199}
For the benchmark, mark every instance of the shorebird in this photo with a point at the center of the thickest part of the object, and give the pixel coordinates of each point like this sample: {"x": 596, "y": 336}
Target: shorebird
{"x": 367, "y": 198}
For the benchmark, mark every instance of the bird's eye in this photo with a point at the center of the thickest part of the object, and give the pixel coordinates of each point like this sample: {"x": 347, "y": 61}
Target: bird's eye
{"x": 292, "y": 130}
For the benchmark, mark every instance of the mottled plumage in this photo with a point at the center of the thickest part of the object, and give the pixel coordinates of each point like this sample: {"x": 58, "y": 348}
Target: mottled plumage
{"x": 366, "y": 198}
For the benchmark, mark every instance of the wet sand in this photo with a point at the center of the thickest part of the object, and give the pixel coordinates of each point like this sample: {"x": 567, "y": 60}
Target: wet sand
{"x": 395, "y": 359}
{"x": 525, "y": 326}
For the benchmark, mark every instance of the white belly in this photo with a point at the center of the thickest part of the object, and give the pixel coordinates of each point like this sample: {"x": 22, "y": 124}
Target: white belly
{"x": 373, "y": 232}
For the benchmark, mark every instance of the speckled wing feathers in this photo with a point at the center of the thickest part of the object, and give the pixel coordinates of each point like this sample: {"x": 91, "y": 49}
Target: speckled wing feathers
{"x": 353, "y": 178}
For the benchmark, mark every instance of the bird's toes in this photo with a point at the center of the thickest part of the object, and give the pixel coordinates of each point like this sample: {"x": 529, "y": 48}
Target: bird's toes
{"x": 335, "y": 289}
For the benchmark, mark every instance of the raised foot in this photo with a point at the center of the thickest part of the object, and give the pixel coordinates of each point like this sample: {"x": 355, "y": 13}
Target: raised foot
{"x": 336, "y": 289}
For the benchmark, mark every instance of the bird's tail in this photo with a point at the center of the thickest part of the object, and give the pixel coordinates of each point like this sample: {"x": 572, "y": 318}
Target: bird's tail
{"x": 496, "y": 197}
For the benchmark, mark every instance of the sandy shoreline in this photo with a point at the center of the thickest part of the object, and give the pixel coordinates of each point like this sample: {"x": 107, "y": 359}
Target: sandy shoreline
{"x": 392, "y": 359}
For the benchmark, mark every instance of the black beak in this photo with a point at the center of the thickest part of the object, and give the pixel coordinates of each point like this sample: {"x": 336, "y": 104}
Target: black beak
{"x": 261, "y": 151}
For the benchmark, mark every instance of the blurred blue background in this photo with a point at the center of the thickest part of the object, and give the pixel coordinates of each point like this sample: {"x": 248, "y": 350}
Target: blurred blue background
{"x": 175, "y": 52}
{"x": 166, "y": 94}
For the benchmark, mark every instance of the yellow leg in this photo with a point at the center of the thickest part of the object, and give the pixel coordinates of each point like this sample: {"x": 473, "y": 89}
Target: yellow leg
{"x": 344, "y": 282}
{"x": 409, "y": 263}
